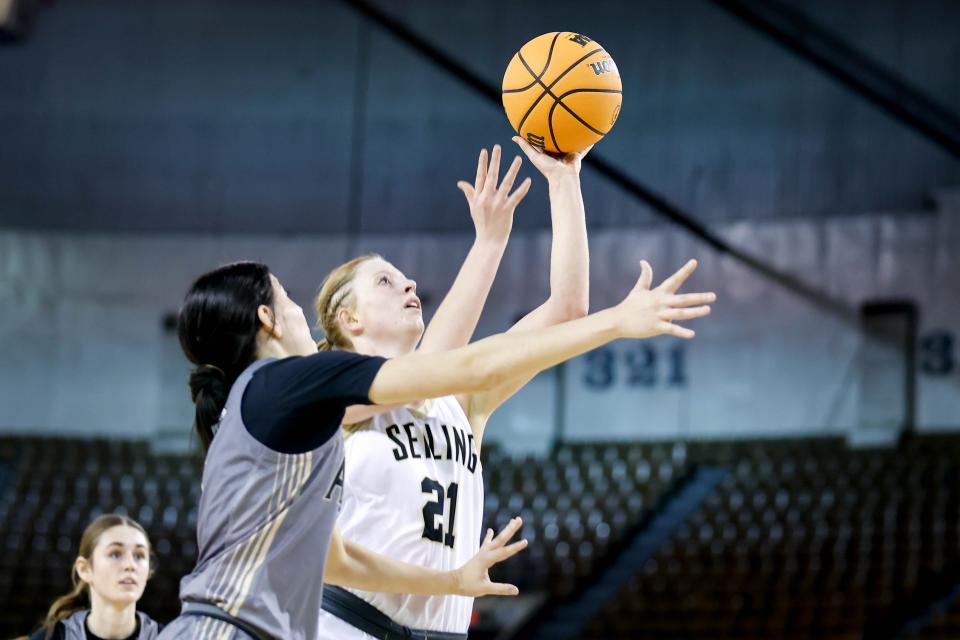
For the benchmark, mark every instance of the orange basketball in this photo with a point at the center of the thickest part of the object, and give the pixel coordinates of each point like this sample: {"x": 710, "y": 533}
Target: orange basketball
{"x": 562, "y": 92}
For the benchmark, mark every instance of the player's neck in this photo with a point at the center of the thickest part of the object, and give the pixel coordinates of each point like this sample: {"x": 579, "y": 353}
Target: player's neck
{"x": 270, "y": 348}
{"x": 383, "y": 348}
{"x": 111, "y": 620}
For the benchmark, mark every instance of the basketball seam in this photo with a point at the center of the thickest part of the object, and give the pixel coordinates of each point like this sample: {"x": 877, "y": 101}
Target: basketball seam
{"x": 570, "y": 68}
{"x": 571, "y": 112}
{"x": 546, "y": 89}
{"x": 545, "y": 67}
{"x": 553, "y": 136}
{"x": 574, "y": 113}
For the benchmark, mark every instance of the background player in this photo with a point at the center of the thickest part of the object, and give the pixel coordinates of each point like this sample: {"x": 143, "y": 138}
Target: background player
{"x": 109, "y": 576}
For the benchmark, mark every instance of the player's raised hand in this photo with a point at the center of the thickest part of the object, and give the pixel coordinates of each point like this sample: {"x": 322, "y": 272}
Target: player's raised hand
{"x": 551, "y": 166}
{"x": 473, "y": 577}
{"x": 492, "y": 206}
{"x": 647, "y": 312}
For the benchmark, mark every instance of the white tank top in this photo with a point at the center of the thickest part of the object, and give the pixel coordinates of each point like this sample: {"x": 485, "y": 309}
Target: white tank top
{"x": 413, "y": 491}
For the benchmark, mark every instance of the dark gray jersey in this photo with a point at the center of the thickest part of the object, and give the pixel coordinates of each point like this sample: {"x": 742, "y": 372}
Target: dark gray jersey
{"x": 264, "y": 525}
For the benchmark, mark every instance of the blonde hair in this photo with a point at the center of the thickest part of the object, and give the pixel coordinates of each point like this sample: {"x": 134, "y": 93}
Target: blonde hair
{"x": 79, "y": 597}
{"x": 335, "y": 293}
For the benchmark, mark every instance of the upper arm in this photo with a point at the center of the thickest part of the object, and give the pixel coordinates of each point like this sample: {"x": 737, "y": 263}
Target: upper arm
{"x": 551, "y": 312}
{"x": 297, "y": 404}
{"x": 480, "y": 405}
{"x": 356, "y": 413}
{"x": 425, "y": 375}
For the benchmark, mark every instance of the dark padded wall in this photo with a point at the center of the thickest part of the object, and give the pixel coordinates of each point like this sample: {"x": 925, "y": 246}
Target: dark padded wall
{"x": 300, "y": 117}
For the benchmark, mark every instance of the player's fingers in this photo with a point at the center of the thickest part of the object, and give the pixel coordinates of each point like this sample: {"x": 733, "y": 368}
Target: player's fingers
{"x": 691, "y": 299}
{"x": 675, "y": 330}
{"x": 646, "y": 275}
{"x": 487, "y": 538}
{"x": 510, "y": 175}
{"x": 501, "y": 589}
{"x": 481, "y": 170}
{"x": 526, "y": 147}
{"x": 508, "y": 532}
{"x": 499, "y": 555}
{"x": 673, "y": 283}
{"x": 519, "y": 194}
{"x": 584, "y": 153}
{"x": 688, "y": 313}
{"x": 467, "y": 189}
{"x": 493, "y": 170}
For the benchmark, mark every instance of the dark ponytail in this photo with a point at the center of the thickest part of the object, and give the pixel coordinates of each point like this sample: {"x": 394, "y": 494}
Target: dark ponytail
{"x": 208, "y": 389}
{"x": 218, "y": 326}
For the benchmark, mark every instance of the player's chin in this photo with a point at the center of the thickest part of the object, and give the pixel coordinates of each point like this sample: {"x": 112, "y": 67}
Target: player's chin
{"x": 419, "y": 326}
{"x": 411, "y": 326}
{"x": 127, "y": 595}
{"x": 414, "y": 318}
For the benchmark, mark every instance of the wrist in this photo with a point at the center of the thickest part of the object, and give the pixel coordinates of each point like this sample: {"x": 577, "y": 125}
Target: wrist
{"x": 610, "y": 323}
{"x": 455, "y": 580}
{"x": 490, "y": 242}
{"x": 567, "y": 176}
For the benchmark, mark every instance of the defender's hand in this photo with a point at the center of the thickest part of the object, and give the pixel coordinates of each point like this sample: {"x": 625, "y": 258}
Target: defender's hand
{"x": 473, "y": 577}
{"x": 647, "y": 312}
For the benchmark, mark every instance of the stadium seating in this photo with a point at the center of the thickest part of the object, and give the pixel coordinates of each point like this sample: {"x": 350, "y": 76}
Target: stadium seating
{"x": 577, "y": 505}
{"x": 945, "y": 626}
{"x": 805, "y": 539}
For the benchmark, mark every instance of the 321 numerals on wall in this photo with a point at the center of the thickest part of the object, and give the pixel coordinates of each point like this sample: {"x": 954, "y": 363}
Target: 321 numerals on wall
{"x": 639, "y": 365}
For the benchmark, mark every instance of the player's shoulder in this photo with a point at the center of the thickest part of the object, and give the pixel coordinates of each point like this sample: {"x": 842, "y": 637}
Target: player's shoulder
{"x": 41, "y": 633}
{"x": 370, "y": 435}
{"x": 445, "y": 409}
{"x": 449, "y": 406}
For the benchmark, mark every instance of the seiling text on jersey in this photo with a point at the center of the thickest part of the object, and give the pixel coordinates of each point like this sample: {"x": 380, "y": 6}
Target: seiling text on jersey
{"x": 452, "y": 443}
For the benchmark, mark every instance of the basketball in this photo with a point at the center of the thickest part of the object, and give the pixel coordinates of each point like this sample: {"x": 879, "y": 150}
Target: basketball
{"x": 562, "y": 92}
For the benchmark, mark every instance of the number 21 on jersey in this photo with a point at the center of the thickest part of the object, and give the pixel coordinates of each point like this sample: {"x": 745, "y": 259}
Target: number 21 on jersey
{"x": 433, "y": 511}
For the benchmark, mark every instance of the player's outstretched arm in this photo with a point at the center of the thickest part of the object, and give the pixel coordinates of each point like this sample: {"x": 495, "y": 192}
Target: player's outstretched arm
{"x": 350, "y": 565}
{"x": 569, "y": 269}
{"x": 496, "y": 360}
{"x": 569, "y": 255}
{"x": 491, "y": 208}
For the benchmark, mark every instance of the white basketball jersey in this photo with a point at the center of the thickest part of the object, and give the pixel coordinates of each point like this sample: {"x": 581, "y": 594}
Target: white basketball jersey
{"x": 413, "y": 491}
